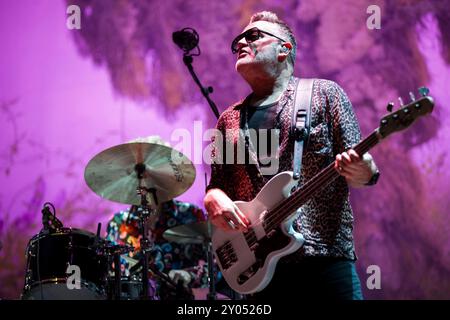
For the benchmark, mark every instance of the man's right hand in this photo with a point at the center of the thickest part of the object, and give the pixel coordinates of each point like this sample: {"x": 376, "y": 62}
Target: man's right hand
{"x": 223, "y": 213}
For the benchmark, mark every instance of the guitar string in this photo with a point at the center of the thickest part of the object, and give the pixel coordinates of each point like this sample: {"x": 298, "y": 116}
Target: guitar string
{"x": 295, "y": 202}
{"x": 361, "y": 148}
{"x": 291, "y": 204}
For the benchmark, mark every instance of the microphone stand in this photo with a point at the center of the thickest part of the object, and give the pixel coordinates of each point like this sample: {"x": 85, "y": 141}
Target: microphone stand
{"x": 187, "y": 59}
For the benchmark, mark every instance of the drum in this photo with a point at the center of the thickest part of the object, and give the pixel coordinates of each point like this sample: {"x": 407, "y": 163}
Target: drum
{"x": 48, "y": 276}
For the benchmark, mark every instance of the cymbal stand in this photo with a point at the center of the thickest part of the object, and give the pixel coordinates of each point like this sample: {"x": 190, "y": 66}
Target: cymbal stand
{"x": 117, "y": 276}
{"x": 146, "y": 244}
{"x": 212, "y": 295}
{"x": 112, "y": 252}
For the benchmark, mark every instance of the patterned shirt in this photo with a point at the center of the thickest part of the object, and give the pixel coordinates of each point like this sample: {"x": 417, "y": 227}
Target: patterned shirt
{"x": 123, "y": 228}
{"x": 326, "y": 219}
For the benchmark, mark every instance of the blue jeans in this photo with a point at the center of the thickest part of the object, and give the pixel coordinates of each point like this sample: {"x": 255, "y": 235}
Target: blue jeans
{"x": 313, "y": 278}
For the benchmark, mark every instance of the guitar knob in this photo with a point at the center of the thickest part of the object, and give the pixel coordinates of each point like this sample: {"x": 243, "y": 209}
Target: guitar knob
{"x": 424, "y": 91}
{"x": 412, "y": 97}
{"x": 400, "y": 100}
{"x": 390, "y": 106}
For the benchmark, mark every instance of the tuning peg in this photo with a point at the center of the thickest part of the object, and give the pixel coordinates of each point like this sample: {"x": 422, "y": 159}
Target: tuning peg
{"x": 412, "y": 97}
{"x": 390, "y": 106}
{"x": 424, "y": 91}
{"x": 400, "y": 100}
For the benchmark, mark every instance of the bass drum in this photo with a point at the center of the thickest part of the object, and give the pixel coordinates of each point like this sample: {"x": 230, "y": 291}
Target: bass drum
{"x": 48, "y": 276}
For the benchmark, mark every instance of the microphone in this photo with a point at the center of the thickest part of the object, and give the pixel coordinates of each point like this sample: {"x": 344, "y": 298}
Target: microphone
{"x": 49, "y": 220}
{"x": 187, "y": 39}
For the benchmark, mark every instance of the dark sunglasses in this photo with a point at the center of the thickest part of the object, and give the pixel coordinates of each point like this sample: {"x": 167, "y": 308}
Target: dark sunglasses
{"x": 250, "y": 35}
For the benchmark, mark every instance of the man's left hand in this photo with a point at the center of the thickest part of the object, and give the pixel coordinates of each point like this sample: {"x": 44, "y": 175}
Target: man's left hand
{"x": 356, "y": 170}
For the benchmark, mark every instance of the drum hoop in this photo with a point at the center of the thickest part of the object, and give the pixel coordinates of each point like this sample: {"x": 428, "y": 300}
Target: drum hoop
{"x": 61, "y": 232}
{"x": 84, "y": 283}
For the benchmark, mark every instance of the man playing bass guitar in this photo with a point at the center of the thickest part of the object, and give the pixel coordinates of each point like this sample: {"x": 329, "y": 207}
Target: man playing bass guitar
{"x": 324, "y": 265}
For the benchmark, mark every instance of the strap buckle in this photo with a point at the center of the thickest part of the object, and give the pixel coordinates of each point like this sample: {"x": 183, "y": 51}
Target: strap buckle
{"x": 300, "y": 130}
{"x": 300, "y": 134}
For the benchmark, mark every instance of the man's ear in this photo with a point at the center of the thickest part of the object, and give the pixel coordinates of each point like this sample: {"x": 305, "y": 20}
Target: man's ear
{"x": 285, "y": 51}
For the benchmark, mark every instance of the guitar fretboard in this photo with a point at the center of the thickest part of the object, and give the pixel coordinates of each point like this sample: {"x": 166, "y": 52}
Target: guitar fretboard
{"x": 288, "y": 206}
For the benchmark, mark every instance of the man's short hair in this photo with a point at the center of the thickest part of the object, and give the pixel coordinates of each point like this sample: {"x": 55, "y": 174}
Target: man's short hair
{"x": 273, "y": 18}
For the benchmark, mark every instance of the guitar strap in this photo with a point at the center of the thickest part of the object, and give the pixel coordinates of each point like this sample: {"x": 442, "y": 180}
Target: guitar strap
{"x": 301, "y": 121}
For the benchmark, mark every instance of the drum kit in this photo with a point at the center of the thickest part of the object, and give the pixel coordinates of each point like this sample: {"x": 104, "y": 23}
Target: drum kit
{"x": 69, "y": 263}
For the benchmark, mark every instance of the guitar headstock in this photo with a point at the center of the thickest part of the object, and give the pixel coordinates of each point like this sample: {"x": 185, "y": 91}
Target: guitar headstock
{"x": 407, "y": 114}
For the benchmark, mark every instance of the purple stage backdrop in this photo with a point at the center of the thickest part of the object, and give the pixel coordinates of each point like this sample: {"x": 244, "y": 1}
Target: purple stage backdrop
{"x": 67, "y": 94}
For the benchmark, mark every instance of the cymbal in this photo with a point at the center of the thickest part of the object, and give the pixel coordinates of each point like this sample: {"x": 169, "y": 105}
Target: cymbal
{"x": 195, "y": 233}
{"x": 112, "y": 173}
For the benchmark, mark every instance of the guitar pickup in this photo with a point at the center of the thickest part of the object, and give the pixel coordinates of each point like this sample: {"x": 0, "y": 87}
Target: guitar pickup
{"x": 226, "y": 254}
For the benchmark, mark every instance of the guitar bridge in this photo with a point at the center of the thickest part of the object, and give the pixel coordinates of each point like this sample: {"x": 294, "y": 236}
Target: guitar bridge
{"x": 247, "y": 274}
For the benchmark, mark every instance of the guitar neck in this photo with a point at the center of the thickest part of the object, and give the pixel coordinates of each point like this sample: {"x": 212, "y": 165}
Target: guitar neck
{"x": 287, "y": 207}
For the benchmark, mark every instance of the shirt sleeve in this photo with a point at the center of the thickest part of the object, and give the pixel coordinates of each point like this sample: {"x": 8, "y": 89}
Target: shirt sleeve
{"x": 217, "y": 164}
{"x": 346, "y": 130}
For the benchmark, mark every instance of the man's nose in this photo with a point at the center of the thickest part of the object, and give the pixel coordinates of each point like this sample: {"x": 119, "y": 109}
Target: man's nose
{"x": 241, "y": 44}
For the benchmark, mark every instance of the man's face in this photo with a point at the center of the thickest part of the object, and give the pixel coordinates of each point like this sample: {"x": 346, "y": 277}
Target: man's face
{"x": 263, "y": 51}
